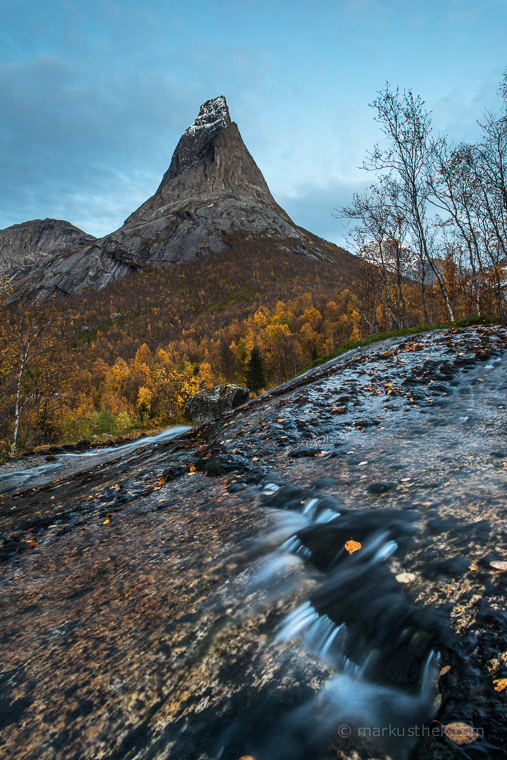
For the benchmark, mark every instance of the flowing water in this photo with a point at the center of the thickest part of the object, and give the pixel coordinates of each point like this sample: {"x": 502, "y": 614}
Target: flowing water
{"x": 356, "y": 633}
{"x": 72, "y": 462}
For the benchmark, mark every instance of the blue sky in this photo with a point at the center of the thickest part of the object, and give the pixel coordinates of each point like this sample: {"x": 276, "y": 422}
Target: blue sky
{"x": 95, "y": 95}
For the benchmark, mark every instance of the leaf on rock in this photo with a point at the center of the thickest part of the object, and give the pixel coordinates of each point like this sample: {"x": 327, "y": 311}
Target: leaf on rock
{"x": 116, "y": 487}
{"x": 191, "y": 468}
{"x": 499, "y": 565}
{"x": 445, "y": 670}
{"x": 500, "y": 684}
{"x": 461, "y": 733}
{"x": 352, "y": 546}
{"x": 405, "y": 577}
{"x": 106, "y": 521}
{"x": 32, "y": 544}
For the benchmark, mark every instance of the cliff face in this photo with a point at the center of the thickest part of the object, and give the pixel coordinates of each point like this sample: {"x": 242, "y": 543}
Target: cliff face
{"x": 25, "y": 245}
{"x": 212, "y": 194}
{"x": 225, "y": 164}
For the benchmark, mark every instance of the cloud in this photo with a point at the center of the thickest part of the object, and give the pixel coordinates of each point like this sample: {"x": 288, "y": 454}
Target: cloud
{"x": 315, "y": 207}
{"x": 95, "y": 95}
{"x": 66, "y": 139}
{"x": 89, "y": 141}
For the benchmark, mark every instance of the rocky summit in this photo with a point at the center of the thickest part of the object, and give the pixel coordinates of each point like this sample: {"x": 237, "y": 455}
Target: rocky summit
{"x": 24, "y": 245}
{"x": 197, "y": 140}
{"x": 212, "y": 196}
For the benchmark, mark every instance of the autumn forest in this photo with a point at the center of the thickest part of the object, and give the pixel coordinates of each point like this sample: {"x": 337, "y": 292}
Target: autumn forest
{"x": 430, "y": 243}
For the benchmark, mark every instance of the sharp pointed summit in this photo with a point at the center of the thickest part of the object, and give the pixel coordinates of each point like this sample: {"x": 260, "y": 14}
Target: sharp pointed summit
{"x": 210, "y": 156}
{"x": 212, "y": 196}
{"x": 198, "y": 138}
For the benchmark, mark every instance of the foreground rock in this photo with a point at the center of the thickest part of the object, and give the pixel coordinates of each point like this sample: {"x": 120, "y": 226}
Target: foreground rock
{"x": 205, "y": 405}
{"x": 146, "y": 613}
{"x": 212, "y": 195}
{"x": 23, "y": 246}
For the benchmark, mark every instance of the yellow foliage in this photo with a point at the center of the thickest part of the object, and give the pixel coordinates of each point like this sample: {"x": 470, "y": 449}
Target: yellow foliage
{"x": 206, "y": 376}
{"x": 144, "y": 399}
{"x": 143, "y": 355}
{"x": 121, "y": 372}
{"x": 261, "y": 316}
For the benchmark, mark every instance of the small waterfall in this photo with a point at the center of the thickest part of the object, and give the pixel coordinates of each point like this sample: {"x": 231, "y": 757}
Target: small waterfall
{"x": 355, "y": 619}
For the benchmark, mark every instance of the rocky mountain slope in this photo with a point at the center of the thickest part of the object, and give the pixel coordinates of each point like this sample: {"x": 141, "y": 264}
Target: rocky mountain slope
{"x": 24, "y": 245}
{"x": 212, "y": 196}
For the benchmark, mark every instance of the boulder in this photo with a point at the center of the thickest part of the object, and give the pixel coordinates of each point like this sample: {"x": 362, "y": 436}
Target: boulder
{"x": 211, "y": 403}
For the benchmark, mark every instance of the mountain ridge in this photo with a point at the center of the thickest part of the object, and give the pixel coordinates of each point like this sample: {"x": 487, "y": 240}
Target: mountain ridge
{"x": 27, "y": 244}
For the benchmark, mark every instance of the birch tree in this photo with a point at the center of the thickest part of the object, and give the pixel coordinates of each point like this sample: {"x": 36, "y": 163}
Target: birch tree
{"x": 402, "y": 168}
{"x": 34, "y": 364}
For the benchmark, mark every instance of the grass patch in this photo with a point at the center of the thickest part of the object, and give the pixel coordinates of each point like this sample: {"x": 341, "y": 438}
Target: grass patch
{"x": 240, "y": 296}
{"x": 87, "y": 337}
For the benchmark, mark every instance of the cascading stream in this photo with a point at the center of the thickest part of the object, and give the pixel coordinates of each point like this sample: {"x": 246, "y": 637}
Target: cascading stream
{"x": 71, "y": 462}
{"x": 380, "y": 648}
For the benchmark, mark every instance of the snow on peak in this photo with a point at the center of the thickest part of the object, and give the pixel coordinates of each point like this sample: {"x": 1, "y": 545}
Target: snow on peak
{"x": 197, "y": 139}
{"x": 213, "y": 112}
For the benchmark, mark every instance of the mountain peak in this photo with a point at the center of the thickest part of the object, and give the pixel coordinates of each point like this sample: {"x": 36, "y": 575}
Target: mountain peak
{"x": 212, "y": 196}
{"x": 210, "y": 156}
{"x": 198, "y": 137}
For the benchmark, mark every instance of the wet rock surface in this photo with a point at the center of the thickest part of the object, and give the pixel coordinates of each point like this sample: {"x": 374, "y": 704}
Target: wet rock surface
{"x": 195, "y": 597}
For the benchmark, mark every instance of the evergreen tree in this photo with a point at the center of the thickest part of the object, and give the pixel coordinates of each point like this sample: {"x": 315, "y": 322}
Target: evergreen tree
{"x": 255, "y": 377}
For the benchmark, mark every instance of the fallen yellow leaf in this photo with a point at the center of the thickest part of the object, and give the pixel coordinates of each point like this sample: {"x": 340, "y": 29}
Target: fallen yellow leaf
{"x": 106, "y": 522}
{"x": 445, "y": 670}
{"x": 352, "y": 546}
{"x": 117, "y": 487}
{"x": 191, "y": 468}
{"x": 500, "y": 684}
{"x": 461, "y": 733}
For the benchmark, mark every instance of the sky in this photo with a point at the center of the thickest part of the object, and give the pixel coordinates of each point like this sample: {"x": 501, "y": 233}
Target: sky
{"x": 94, "y": 94}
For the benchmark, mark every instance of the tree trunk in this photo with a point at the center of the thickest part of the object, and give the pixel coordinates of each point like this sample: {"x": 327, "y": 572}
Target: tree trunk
{"x": 17, "y": 407}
